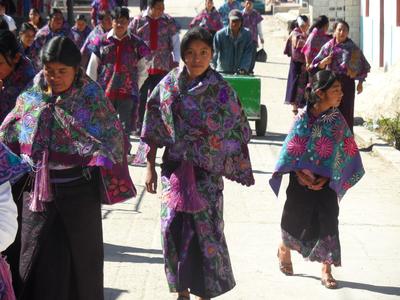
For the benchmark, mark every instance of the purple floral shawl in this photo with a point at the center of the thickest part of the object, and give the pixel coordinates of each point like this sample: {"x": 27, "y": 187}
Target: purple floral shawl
{"x": 347, "y": 59}
{"x": 210, "y": 21}
{"x": 201, "y": 122}
{"x": 78, "y": 127}
{"x": 294, "y": 45}
{"x": 250, "y": 20}
{"x": 11, "y": 165}
{"x": 314, "y": 43}
{"x": 324, "y": 146}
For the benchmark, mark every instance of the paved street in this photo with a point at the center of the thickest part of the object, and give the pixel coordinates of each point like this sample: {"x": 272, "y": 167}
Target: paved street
{"x": 369, "y": 217}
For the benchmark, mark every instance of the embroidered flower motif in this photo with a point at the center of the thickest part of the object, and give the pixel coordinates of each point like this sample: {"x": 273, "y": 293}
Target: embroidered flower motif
{"x": 324, "y": 147}
{"x": 297, "y": 145}
{"x": 350, "y": 146}
{"x": 117, "y": 187}
{"x": 330, "y": 116}
{"x": 316, "y": 132}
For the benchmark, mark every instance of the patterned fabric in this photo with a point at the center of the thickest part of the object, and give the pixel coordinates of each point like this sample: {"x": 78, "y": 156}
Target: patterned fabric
{"x": 326, "y": 251}
{"x": 118, "y": 74}
{"x": 6, "y": 288}
{"x": 294, "y": 45}
{"x": 347, "y": 59}
{"x": 325, "y": 146}
{"x": 211, "y": 21}
{"x": 100, "y": 5}
{"x": 44, "y": 35}
{"x": 89, "y": 46}
{"x": 195, "y": 127}
{"x": 80, "y": 36}
{"x": 226, "y": 8}
{"x": 161, "y": 57}
{"x": 314, "y": 43}
{"x": 78, "y": 127}
{"x": 14, "y": 84}
{"x": 11, "y": 165}
{"x": 202, "y": 124}
{"x": 250, "y": 20}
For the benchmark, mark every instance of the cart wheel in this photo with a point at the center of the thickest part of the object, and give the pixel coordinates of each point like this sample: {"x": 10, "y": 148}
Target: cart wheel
{"x": 261, "y": 124}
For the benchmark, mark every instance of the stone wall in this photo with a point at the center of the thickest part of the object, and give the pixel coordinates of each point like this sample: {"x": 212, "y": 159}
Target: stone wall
{"x": 349, "y": 10}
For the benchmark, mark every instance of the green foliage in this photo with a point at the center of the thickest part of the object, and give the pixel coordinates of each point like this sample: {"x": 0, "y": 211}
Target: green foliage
{"x": 390, "y": 129}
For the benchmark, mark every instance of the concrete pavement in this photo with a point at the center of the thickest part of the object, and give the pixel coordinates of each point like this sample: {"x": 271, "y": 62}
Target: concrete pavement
{"x": 369, "y": 218}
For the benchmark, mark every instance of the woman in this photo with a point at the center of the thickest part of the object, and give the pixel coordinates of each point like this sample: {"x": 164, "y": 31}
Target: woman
{"x": 317, "y": 38}
{"x": 323, "y": 161}
{"x": 35, "y": 19}
{"x": 80, "y": 30}
{"x": 196, "y": 115}
{"x": 64, "y": 126}
{"x": 297, "y": 77}
{"x": 26, "y": 38}
{"x": 11, "y": 170}
{"x": 209, "y": 18}
{"x": 16, "y": 71}
{"x": 347, "y": 61}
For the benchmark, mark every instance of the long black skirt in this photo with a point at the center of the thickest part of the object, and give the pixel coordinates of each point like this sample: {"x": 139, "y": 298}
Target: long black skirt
{"x": 346, "y": 106}
{"x": 310, "y": 223}
{"x": 62, "y": 247}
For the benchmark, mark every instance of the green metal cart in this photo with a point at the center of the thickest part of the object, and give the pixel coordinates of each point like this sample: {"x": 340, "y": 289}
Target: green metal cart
{"x": 248, "y": 89}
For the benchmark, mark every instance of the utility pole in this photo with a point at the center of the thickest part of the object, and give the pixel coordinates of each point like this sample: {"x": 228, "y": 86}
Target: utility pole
{"x": 70, "y": 12}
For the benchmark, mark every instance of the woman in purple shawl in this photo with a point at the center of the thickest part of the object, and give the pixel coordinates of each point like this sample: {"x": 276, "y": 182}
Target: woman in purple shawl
{"x": 324, "y": 162}
{"x": 297, "y": 77}
{"x": 71, "y": 136}
{"x": 347, "y": 61}
{"x": 209, "y": 18}
{"x": 197, "y": 117}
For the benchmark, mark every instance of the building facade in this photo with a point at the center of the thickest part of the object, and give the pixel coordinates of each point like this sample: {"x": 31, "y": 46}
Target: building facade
{"x": 380, "y": 31}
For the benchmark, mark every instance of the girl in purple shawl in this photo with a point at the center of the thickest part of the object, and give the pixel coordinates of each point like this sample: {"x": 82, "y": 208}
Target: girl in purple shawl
{"x": 209, "y": 18}
{"x": 297, "y": 77}
{"x": 347, "y": 61}
{"x": 197, "y": 116}
{"x": 324, "y": 162}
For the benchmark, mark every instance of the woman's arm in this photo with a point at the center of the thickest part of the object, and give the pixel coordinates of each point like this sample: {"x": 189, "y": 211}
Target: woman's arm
{"x": 151, "y": 176}
{"x": 8, "y": 216}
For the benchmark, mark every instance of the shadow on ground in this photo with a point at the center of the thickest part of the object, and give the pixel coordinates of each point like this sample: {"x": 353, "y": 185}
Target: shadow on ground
{"x": 130, "y": 254}
{"x": 113, "y": 294}
{"x": 380, "y": 289}
{"x": 270, "y": 138}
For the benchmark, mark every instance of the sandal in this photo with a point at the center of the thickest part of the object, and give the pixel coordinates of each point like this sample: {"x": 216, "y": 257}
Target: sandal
{"x": 329, "y": 282}
{"x": 285, "y": 268}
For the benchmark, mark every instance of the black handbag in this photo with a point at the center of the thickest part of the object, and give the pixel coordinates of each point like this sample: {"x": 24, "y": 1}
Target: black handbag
{"x": 261, "y": 55}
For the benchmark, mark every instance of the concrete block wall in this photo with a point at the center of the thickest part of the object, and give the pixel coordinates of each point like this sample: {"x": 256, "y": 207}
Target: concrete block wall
{"x": 349, "y": 10}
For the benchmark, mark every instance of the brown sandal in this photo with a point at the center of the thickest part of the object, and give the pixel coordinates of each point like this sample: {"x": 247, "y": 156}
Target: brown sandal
{"x": 285, "y": 268}
{"x": 329, "y": 282}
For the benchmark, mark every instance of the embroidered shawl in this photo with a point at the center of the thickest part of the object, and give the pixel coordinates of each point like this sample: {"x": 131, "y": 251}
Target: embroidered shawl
{"x": 251, "y": 19}
{"x": 78, "y": 127}
{"x": 210, "y": 21}
{"x": 201, "y": 122}
{"x": 11, "y": 165}
{"x": 325, "y": 147}
{"x": 347, "y": 59}
{"x": 294, "y": 45}
{"x": 314, "y": 43}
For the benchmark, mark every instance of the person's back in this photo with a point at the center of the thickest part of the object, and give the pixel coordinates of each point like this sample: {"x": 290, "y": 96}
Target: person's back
{"x": 233, "y": 46}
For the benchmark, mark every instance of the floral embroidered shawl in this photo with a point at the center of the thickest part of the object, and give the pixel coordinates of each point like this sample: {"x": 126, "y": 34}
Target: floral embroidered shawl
{"x": 78, "y": 127}
{"x": 210, "y": 21}
{"x": 11, "y": 165}
{"x": 251, "y": 19}
{"x": 325, "y": 147}
{"x": 314, "y": 43}
{"x": 294, "y": 45}
{"x": 347, "y": 59}
{"x": 201, "y": 122}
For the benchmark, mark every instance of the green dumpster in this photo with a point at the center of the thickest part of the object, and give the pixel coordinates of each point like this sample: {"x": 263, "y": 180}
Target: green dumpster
{"x": 248, "y": 89}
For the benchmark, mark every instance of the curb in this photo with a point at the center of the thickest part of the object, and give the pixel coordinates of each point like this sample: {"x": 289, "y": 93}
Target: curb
{"x": 369, "y": 141}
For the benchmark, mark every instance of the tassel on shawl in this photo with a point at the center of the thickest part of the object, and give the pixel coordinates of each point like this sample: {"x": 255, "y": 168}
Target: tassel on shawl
{"x": 183, "y": 195}
{"x": 42, "y": 191}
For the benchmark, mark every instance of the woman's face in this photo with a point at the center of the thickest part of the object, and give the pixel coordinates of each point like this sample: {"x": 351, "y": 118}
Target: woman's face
{"x": 157, "y": 10}
{"x": 59, "y": 76}
{"x": 305, "y": 27}
{"x": 5, "y": 68}
{"x": 341, "y": 33}
{"x": 248, "y": 5}
{"x": 332, "y": 96}
{"x": 197, "y": 58}
{"x": 34, "y": 16}
{"x": 80, "y": 25}
{"x": 209, "y": 4}
{"x": 56, "y": 22}
{"x": 27, "y": 38}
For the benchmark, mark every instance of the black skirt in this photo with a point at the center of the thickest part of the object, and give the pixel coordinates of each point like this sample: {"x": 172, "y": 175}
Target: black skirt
{"x": 310, "y": 222}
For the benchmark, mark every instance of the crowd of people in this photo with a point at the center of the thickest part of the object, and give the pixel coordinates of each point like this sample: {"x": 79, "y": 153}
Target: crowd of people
{"x": 71, "y": 97}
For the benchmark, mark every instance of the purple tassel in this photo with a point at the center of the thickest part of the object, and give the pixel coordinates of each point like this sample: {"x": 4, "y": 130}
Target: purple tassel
{"x": 183, "y": 195}
{"x": 41, "y": 191}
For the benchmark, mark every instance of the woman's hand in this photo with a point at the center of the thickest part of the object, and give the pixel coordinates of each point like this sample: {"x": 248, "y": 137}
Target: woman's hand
{"x": 326, "y": 61}
{"x": 318, "y": 183}
{"x": 304, "y": 179}
{"x": 151, "y": 180}
{"x": 359, "y": 87}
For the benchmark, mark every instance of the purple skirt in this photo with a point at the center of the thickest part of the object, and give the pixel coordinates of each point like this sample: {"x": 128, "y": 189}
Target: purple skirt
{"x": 296, "y": 84}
